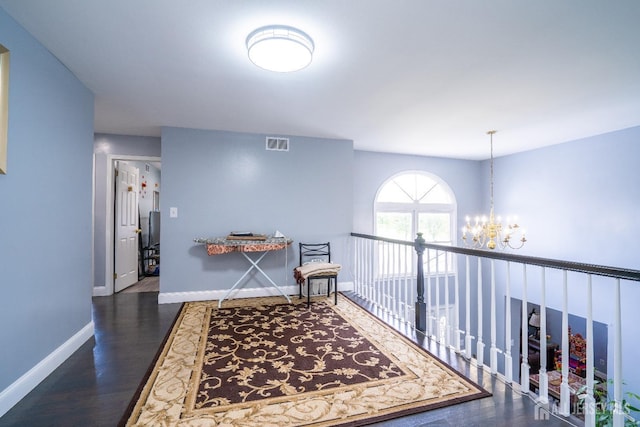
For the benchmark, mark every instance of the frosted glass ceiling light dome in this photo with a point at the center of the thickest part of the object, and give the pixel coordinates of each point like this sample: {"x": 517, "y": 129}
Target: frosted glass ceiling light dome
{"x": 280, "y": 48}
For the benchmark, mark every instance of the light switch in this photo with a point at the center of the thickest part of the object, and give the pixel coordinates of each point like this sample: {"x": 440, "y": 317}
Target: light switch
{"x": 173, "y": 212}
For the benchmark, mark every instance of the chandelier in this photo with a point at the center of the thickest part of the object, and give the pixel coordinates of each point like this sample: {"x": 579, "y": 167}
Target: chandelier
{"x": 489, "y": 231}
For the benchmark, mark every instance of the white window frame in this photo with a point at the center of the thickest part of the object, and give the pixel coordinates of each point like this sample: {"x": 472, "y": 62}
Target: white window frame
{"x": 415, "y": 208}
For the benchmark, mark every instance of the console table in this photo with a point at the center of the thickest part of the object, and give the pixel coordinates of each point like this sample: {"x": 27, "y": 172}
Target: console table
{"x": 224, "y": 245}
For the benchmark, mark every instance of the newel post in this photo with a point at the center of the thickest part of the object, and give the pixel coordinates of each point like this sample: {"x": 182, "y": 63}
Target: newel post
{"x": 421, "y": 307}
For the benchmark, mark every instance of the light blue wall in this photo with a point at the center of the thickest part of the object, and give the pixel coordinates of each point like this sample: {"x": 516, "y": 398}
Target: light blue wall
{"x": 372, "y": 169}
{"x": 104, "y": 145}
{"x": 583, "y": 196}
{"x": 224, "y": 181}
{"x": 580, "y": 202}
{"x": 45, "y": 206}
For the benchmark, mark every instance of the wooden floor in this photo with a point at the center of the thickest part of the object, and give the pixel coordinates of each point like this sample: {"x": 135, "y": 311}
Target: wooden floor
{"x": 147, "y": 284}
{"x": 94, "y": 386}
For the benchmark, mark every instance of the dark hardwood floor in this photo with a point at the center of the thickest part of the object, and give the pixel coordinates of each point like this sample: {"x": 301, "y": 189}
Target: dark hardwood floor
{"x": 147, "y": 284}
{"x": 94, "y": 386}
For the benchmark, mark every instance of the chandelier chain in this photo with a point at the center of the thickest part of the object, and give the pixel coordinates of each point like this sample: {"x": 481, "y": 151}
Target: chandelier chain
{"x": 491, "y": 132}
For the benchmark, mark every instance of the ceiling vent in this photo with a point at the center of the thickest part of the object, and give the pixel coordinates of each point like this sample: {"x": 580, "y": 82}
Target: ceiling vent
{"x": 277, "y": 144}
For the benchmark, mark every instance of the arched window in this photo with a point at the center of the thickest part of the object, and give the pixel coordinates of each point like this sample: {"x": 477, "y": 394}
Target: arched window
{"x": 413, "y": 202}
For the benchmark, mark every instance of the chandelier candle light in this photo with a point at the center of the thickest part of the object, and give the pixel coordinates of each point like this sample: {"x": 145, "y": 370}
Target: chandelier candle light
{"x": 489, "y": 231}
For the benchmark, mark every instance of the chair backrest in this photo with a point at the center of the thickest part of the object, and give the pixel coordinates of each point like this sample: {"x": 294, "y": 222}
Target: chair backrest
{"x": 315, "y": 251}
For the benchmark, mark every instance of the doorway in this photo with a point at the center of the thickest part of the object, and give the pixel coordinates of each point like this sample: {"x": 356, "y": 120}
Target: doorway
{"x": 126, "y": 225}
{"x": 147, "y": 188}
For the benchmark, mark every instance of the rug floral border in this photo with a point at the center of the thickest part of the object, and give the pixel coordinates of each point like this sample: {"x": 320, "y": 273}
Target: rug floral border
{"x": 168, "y": 394}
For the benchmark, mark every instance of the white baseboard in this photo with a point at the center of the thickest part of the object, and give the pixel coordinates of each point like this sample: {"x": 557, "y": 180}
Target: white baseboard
{"x": 100, "y": 291}
{"x": 27, "y": 382}
{"x": 346, "y": 286}
{"x": 177, "y": 297}
{"x": 173, "y": 297}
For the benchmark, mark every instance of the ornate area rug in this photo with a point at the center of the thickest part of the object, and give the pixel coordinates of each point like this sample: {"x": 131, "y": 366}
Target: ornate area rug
{"x": 265, "y": 362}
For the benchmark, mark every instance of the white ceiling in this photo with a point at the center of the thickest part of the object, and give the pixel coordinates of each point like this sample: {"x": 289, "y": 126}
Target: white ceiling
{"x": 426, "y": 77}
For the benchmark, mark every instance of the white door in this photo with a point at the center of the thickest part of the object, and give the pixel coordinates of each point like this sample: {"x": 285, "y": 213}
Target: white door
{"x": 126, "y": 226}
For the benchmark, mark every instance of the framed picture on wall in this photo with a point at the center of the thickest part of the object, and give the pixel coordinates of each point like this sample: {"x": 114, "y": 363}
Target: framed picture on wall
{"x": 4, "y": 107}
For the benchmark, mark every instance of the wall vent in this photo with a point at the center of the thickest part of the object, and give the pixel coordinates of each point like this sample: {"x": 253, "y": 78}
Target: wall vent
{"x": 277, "y": 144}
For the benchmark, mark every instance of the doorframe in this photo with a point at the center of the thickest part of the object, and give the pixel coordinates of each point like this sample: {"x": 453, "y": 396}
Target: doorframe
{"x": 110, "y": 200}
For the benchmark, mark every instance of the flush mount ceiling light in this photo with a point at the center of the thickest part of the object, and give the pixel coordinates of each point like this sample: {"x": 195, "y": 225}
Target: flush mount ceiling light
{"x": 280, "y": 48}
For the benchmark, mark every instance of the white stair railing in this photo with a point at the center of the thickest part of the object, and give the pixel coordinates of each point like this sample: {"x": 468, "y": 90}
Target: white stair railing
{"x": 385, "y": 274}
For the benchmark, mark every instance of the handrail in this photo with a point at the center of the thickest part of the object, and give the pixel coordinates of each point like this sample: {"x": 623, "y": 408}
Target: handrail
{"x": 383, "y": 239}
{"x": 599, "y": 270}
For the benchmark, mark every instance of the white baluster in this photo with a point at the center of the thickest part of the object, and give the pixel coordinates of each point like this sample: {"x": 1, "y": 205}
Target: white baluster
{"x": 355, "y": 263}
{"x": 392, "y": 278}
{"x": 374, "y": 270}
{"x": 479, "y": 343}
{"x": 524, "y": 366}
{"x": 370, "y": 270}
{"x": 361, "y": 261}
{"x": 618, "y": 413}
{"x": 456, "y": 307}
{"x": 508, "y": 361}
{"x": 564, "y": 385}
{"x": 436, "y": 315}
{"x": 367, "y": 266}
{"x": 428, "y": 294}
{"x": 589, "y": 401}
{"x": 447, "y": 331}
{"x": 468, "y": 337}
{"x": 413, "y": 291}
{"x": 493, "y": 351}
{"x": 380, "y": 284}
{"x": 363, "y": 268}
{"x": 386, "y": 289}
{"x": 382, "y": 288}
{"x": 542, "y": 374}
{"x": 408, "y": 295}
{"x": 398, "y": 281}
